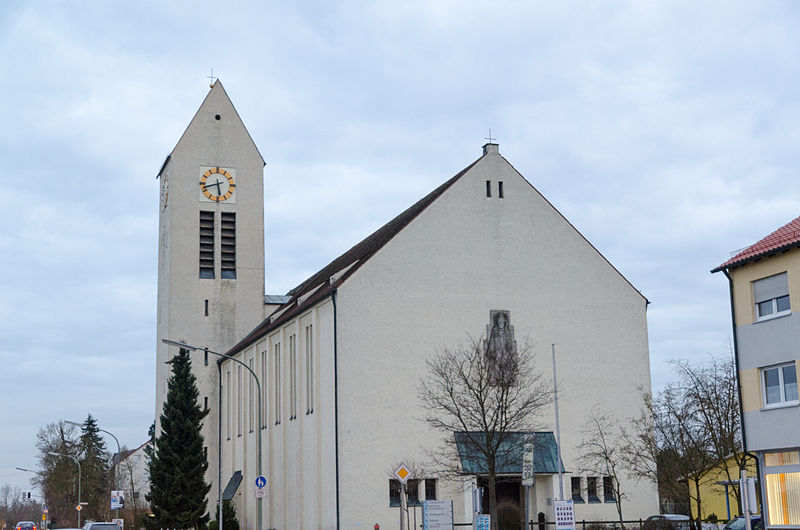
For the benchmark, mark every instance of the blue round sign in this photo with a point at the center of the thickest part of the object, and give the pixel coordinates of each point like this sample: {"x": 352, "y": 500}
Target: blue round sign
{"x": 261, "y": 481}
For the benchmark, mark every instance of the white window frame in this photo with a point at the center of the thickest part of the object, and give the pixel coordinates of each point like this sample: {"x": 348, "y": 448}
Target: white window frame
{"x": 783, "y": 402}
{"x": 769, "y": 290}
{"x": 775, "y": 313}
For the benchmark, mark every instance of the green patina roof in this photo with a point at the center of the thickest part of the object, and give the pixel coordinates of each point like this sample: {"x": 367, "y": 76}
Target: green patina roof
{"x": 509, "y": 456}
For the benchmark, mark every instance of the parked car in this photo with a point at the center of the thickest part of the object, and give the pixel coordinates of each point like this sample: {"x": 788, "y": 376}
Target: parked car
{"x": 26, "y": 525}
{"x": 668, "y": 521}
{"x": 95, "y": 525}
{"x": 738, "y": 523}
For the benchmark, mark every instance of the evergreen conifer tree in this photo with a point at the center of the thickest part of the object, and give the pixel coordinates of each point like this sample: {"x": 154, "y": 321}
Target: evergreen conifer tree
{"x": 177, "y": 468}
{"x": 95, "y": 484}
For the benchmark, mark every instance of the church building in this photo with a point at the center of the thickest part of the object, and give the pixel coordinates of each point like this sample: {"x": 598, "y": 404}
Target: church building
{"x": 340, "y": 357}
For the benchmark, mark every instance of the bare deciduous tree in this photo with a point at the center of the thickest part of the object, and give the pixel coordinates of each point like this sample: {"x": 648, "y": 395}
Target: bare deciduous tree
{"x": 466, "y": 392}
{"x": 712, "y": 387}
{"x": 601, "y": 453}
{"x": 669, "y": 434}
{"x": 58, "y": 478}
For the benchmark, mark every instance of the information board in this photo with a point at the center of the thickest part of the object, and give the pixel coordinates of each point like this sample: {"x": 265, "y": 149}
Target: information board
{"x": 483, "y": 521}
{"x": 437, "y": 515}
{"x": 565, "y": 515}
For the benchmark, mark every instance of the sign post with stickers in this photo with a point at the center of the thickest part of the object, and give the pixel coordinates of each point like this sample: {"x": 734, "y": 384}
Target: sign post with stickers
{"x": 261, "y": 487}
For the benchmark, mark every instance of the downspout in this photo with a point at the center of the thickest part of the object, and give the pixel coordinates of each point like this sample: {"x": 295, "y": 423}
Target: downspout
{"x": 336, "y": 401}
{"x": 739, "y": 391}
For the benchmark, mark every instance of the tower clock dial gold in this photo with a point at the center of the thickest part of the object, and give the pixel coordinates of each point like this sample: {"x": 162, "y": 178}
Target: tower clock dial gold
{"x": 217, "y": 184}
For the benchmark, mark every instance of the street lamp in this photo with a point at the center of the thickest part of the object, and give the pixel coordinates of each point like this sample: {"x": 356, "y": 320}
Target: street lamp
{"x": 79, "y": 481}
{"x": 189, "y": 347}
{"x": 44, "y": 501}
{"x": 116, "y": 458}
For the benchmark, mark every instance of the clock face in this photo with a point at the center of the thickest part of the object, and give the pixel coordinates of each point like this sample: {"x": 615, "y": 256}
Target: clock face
{"x": 217, "y": 184}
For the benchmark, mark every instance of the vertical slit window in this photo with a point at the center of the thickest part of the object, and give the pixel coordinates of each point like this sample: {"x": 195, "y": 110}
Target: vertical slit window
{"x": 500, "y": 189}
{"x": 251, "y": 402}
{"x": 277, "y": 384}
{"x": 264, "y": 364}
{"x": 309, "y": 369}
{"x": 228, "y": 404}
{"x": 488, "y": 188}
{"x": 228, "y": 245}
{"x": 292, "y": 377}
{"x": 239, "y": 400}
{"x": 206, "y": 244}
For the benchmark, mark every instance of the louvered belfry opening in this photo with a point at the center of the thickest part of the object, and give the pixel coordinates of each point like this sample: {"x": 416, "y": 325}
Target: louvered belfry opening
{"x": 228, "y": 245}
{"x": 206, "y": 244}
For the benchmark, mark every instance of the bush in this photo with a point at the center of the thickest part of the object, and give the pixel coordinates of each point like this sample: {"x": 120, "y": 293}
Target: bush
{"x": 229, "y": 520}
{"x": 509, "y": 516}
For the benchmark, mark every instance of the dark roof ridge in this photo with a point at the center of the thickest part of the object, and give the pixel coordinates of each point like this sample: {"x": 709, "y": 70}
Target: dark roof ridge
{"x": 349, "y": 261}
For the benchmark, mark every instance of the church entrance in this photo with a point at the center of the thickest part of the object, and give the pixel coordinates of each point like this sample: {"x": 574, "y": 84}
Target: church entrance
{"x": 510, "y": 511}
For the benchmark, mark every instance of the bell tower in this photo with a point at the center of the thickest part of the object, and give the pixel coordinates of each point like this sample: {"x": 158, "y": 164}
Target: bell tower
{"x": 210, "y": 249}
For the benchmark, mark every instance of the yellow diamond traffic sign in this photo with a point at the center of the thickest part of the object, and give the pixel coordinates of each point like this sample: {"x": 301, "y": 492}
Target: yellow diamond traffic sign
{"x": 402, "y": 473}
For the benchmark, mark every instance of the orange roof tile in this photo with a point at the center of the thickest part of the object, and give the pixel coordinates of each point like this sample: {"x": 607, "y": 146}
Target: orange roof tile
{"x": 781, "y": 239}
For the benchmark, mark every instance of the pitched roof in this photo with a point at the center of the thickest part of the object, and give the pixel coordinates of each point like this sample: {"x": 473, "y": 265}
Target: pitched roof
{"x": 783, "y": 238}
{"x": 509, "y": 454}
{"x": 330, "y": 277}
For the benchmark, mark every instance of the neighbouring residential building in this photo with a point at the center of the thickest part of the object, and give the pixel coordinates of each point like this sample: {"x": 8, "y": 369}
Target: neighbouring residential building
{"x": 718, "y": 492}
{"x": 340, "y": 357}
{"x": 764, "y": 281}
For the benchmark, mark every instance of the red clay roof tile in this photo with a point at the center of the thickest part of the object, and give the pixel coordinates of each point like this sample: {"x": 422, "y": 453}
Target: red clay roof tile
{"x": 783, "y": 238}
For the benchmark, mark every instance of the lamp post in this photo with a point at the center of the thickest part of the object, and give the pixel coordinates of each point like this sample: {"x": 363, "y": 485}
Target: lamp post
{"x": 116, "y": 458}
{"x": 44, "y": 501}
{"x": 189, "y": 347}
{"x": 79, "y": 481}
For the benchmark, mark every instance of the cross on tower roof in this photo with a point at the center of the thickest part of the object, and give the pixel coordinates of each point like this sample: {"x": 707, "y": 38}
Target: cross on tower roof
{"x": 491, "y": 140}
{"x": 213, "y": 79}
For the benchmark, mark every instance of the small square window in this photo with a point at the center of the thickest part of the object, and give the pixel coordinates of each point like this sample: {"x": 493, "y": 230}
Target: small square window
{"x": 771, "y": 296}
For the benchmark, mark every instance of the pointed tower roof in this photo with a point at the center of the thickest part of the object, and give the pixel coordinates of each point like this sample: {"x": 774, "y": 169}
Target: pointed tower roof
{"x": 784, "y": 238}
{"x": 217, "y": 97}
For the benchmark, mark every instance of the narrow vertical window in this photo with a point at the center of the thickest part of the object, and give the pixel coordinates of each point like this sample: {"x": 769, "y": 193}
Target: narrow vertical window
{"x": 500, "y": 189}
{"x": 206, "y": 244}
{"x": 488, "y": 188}
{"x": 228, "y": 404}
{"x": 309, "y": 369}
{"x": 430, "y": 489}
{"x": 205, "y": 403}
{"x": 264, "y": 365}
{"x": 292, "y": 377}
{"x": 206, "y": 312}
{"x": 239, "y": 390}
{"x": 277, "y": 383}
{"x": 228, "y": 245}
{"x": 251, "y": 402}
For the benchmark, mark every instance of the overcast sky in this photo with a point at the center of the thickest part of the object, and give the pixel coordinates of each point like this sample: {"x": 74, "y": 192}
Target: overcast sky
{"x": 666, "y": 132}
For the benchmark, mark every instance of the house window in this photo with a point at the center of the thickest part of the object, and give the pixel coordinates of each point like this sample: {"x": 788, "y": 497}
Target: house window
{"x": 771, "y": 296}
{"x": 206, "y": 244}
{"x": 500, "y": 189}
{"x": 608, "y": 489}
{"x": 394, "y": 492}
{"x": 430, "y": 489}
{"x": 577, "y": 496}
{"x": 228, "y": 245}
{"x": 412, "y": 491}
{"x": 783, "y": 488}
{"x": 591, "y": 489}
{"x": 488, "y": 188}
{"x": 779, "y": 384}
